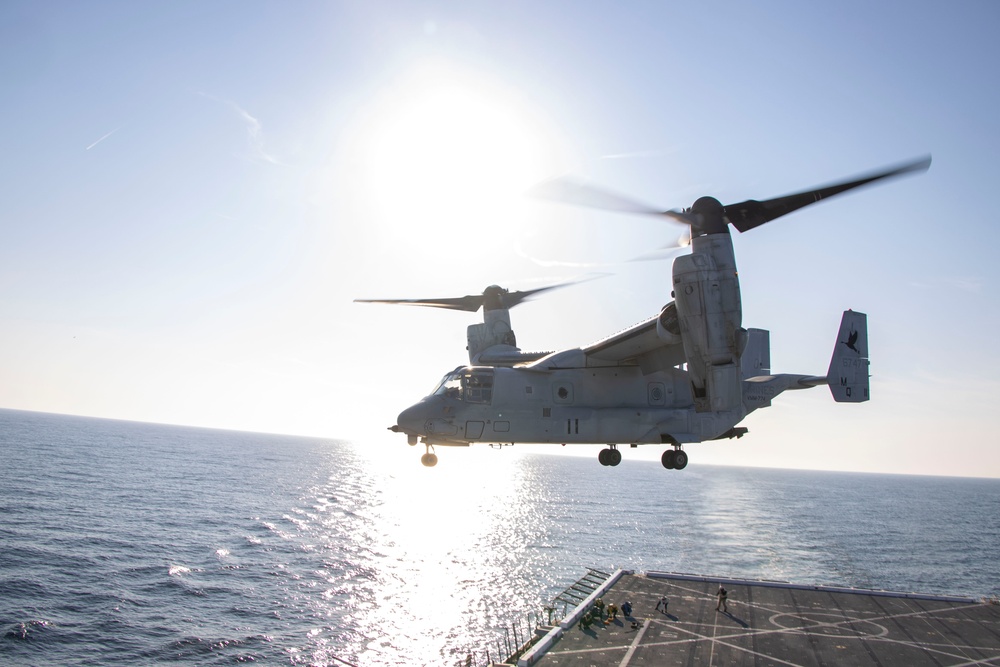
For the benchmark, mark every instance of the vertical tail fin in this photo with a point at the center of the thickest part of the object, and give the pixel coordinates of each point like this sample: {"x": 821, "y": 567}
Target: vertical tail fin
{"x": 848, "y": 374}
{"x": 756, "y": 357}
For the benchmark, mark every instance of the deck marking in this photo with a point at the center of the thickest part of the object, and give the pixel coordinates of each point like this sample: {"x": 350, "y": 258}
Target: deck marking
{"x": 715, "y": 633}
{"x": 815, "y": 623}
{"x": 575, "y": 651}
{"x": 698, "y": 638}
{"x": 971, "y": 663}
{"x": 927, "y": 649}
{"x": 715, "y": 641}
{"x": 936, "y": 626}
{"x": 851, "y": 621}
{"x": 635, "y": 643}
{"x": 808, "y": 631}
{"x": 922, "y": 612}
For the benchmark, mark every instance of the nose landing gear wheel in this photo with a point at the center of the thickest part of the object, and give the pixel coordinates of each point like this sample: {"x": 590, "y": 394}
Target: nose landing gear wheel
{"x": 429, "y": 459}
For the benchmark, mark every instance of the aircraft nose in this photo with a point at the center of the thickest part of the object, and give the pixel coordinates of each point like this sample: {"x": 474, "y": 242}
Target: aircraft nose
{"x": 412, "y": 419}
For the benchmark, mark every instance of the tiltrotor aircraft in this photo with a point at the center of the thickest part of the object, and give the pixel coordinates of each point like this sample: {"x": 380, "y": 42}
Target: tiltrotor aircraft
{"x": 688, "y": 374}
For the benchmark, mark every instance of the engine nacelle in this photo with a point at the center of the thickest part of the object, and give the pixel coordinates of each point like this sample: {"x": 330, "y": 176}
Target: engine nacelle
{"x": 710, "y": 314}
{"x": 668, "y": 325}
{"x": 494, "y": 330}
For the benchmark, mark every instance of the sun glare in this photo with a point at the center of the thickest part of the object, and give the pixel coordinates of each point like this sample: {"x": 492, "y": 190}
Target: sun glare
{"x": 446, "y": 157}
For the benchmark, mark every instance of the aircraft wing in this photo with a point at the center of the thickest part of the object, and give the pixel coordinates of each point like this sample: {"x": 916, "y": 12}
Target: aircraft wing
{"x": 627, "y": 344}
{"x": 507, "y": 358}
{"x": 639, "y": 345}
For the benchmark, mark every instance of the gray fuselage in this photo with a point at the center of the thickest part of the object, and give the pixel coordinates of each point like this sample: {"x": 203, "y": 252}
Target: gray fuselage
{"x": 579, "y": 405}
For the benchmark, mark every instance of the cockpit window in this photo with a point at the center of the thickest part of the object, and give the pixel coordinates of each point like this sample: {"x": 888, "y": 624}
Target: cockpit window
{"x": 473, "y": 385}
{"x": 450, "y": 385}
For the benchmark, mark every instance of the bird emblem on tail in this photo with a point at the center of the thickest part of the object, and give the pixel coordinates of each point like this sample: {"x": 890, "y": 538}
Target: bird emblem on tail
{"x": 852, "y": 339}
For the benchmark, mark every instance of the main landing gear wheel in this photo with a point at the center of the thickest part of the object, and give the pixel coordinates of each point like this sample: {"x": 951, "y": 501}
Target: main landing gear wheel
{"x": 609, "y": 457}
{"x": 680, "y": 459}
{"x": 674, "y": 459}
{"x": 668, "y": 459}
{"x": 429, "y": 459}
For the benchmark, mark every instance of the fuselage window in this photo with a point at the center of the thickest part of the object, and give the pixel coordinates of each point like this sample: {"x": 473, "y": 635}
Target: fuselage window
{"x": 478, "y": 386}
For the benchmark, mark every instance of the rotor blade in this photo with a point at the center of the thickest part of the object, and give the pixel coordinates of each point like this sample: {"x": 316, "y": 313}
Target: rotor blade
{"x": 578, "y": 193}
{"x": 752, "y": 213}
{"x": 571, "y": 191}
{"x": 684, "y": 217}
{"x": 469, "y": 304}
{"x": 493, "y": 297}
{"x": 511, "y": 299}
{"x": 668, "y": 251}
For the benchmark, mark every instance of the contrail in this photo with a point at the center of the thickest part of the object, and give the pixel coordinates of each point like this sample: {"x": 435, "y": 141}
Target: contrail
{"x": 103, "y": 138}
{"x": 633, "y": 154}
{"x": 550, "y": 263}
{"x": 254, "y": 129}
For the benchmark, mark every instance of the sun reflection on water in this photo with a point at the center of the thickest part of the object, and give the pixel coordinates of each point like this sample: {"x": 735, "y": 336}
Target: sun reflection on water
{"x": 434, "y": 543}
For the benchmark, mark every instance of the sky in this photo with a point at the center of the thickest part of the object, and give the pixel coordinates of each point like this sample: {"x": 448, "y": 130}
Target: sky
{"x": 195, "y": 192}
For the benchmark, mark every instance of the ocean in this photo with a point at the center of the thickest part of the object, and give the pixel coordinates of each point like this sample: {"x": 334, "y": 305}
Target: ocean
{"x": 125, "y": 543}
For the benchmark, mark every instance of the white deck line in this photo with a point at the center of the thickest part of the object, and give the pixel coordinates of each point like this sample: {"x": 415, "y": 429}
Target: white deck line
{"x": 635, "y": 643}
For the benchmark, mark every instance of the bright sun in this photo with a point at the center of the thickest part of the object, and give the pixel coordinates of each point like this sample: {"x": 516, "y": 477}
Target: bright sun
{"x": 446, "y": 157}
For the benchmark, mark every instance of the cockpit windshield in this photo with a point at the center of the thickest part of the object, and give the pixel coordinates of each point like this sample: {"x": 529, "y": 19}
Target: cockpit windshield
{"x": 450, "y": 385}
{"x": 473, "y": 385}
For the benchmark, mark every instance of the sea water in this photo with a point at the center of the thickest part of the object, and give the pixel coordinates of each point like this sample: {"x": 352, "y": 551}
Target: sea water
{"x": 125, "y": 543}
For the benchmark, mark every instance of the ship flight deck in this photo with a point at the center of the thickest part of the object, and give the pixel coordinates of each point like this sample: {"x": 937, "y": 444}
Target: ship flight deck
{"x": 769, "y": 623}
